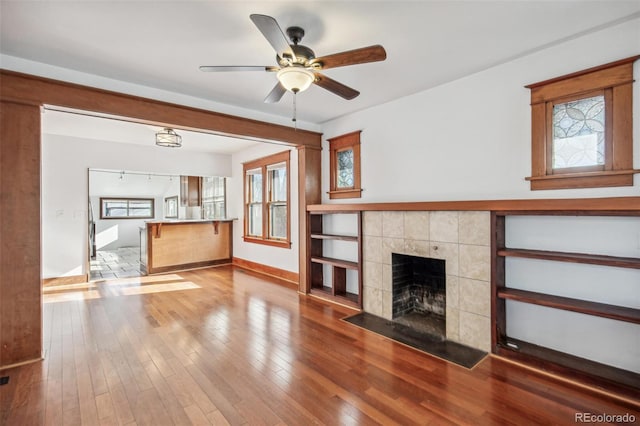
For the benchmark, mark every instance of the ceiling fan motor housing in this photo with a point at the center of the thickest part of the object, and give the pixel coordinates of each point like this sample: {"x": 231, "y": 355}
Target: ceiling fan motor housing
{"x": 303, "y": 56}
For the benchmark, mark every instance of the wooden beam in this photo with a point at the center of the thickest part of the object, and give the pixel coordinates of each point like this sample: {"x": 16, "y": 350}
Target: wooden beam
{"x": 33, "y": 90}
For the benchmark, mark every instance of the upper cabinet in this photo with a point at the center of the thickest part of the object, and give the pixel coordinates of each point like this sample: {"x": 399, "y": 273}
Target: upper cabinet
{"x": 190, "y": 191}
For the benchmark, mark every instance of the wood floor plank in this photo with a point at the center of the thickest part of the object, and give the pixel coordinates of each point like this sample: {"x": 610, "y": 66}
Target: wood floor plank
{"x": 121, "y": 405}
{"x": 196, "y": 416}
{"x": 222, "y": 404}
{"x": 236, "y": 348}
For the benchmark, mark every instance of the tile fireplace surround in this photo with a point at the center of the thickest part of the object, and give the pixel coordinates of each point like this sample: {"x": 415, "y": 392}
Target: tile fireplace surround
{"x": 461, "y": 238}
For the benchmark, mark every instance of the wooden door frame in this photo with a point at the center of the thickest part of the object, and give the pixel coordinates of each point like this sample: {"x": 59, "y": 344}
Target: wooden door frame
{"x": 22, "y": 96}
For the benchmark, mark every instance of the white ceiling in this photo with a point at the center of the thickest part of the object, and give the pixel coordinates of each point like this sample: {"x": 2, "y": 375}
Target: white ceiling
{"x": 117, "y": 129}
{"x": 161, "y": 43}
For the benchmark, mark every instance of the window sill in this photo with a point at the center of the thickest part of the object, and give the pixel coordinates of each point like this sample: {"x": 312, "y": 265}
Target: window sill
{"x": 597, "y": 179}
{"x": 345, "y": 193}
{"x": 273, "y": 243}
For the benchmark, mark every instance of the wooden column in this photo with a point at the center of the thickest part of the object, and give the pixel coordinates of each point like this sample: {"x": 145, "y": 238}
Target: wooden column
{"x": 309, "y": 177}
{"x": 20, "y": 287}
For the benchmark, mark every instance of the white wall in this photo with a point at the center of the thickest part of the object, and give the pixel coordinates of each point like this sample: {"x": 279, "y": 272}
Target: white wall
{"x": 65, "y": 165}
{"x": 277, "y": 257}
{"x": 112, "y": 234}
{"x": 470, "y": 139}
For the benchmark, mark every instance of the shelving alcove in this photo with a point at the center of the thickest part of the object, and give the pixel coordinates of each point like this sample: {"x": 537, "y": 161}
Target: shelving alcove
{"x": 567, "y": 365}
{"x": 336, "y": 288}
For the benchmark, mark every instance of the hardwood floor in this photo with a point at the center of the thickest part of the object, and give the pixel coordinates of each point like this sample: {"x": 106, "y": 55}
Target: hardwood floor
{"x": 225, "y": 346}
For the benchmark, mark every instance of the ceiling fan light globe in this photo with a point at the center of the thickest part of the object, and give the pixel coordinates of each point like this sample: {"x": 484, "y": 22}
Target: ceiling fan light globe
{"x": 295, "y": 79}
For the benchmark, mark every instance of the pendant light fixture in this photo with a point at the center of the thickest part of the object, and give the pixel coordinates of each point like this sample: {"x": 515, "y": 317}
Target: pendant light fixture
{"x": 168, "y": 138}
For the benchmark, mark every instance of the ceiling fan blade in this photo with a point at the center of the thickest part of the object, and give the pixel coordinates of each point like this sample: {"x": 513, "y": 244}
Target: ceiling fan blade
{"x": 276, "y": 94}
{"x": 335, "y": 87}
{"x": 352, "y": 57}
{"x": 273, "y": 33}
{"x": 224, "y": 68}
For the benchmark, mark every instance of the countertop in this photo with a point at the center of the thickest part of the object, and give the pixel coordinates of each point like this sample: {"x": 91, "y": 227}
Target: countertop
{"x": 178, "y": 221}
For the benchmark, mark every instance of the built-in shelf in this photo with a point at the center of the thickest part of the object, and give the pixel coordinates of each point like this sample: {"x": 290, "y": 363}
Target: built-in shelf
{"x": 622, "y": 381}
{"x": 620, "y": 313}
{"x": 348, "y": 299}
{"x": 353, "y": 238}
{"x": 593, "y": 259}
{"x": 588, "y": 371}
{"x": 336, "y": 262}
{"x": 332, "y": 284}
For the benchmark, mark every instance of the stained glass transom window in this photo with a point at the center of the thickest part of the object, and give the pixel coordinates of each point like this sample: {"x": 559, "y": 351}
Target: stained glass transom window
{"x": 345, "y": 168}
{"x": 578, "y": 133}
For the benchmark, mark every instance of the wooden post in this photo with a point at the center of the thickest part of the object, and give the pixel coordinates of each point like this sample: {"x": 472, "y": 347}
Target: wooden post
{"x": 309, "y": 174}
{"x": 20, "y": 286}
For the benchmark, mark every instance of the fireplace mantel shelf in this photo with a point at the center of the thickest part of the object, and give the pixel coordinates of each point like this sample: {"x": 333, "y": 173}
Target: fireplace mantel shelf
{"x": 556, "y": 205}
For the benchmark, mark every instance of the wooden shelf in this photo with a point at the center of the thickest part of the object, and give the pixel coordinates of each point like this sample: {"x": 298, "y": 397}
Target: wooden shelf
{"x": 339, "y": 284}
{"x": 347, "y": 299}
{"x": 347, "y": 264}
{"x": 593, "y": 259}
{"x": 592, "y": 372}
{"x": 353, "y": 238}
{"x": 619, "y": 313}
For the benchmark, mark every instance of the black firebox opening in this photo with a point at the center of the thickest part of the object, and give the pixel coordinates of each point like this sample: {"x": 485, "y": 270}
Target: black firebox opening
{"x": 419, "y": 293}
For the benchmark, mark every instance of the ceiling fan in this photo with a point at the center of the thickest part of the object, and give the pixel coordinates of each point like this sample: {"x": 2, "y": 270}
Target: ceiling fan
{"x": 298, "y": 66}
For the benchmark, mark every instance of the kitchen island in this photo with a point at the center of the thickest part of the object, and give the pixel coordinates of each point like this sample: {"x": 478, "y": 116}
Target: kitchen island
{"x": 173, "y": 245}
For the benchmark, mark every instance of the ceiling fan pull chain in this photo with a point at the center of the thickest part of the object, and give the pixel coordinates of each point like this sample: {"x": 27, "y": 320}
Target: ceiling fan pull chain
{"x": 295, "y": 110}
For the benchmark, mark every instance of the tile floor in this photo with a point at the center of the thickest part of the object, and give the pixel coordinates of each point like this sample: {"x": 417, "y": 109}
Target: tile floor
{"x": 119, "y": 263}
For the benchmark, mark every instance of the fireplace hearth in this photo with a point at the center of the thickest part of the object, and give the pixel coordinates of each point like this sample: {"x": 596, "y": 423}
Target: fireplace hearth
{"x": 419, "y": 293}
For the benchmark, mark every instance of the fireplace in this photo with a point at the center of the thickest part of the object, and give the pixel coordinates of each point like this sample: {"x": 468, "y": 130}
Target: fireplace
{"x": 419, "y": 293}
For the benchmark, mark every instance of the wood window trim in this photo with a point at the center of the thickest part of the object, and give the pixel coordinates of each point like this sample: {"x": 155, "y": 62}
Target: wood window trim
{"x": 336, "y": 145}
{"x": 615, "y": 81}
{"x": 103, "y": 217}
{"x": 263, "y": 163}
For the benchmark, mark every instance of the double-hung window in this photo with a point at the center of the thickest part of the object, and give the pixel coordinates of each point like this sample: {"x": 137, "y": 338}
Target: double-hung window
{"x": 213, "y": 197}
{"x": 266, "y": 198}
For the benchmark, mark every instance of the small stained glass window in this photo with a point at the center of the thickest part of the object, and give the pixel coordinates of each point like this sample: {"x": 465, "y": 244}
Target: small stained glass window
{"x": 579, "y": 133}
{"x": 345, "y": 168}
